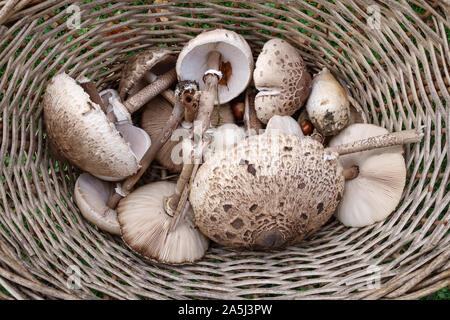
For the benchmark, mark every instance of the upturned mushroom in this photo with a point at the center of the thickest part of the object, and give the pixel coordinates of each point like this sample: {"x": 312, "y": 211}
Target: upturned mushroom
{"x": 328, "y": 105}
{"x": 80, "y": 132}
{"x": 282, "y": 79}
{"x": 145, "y": 226}
{"x": 226, "y": 48}
{"x": 273, "y": 190}
{"x": 375, "y": 180}
{"x": 91, "y": 195}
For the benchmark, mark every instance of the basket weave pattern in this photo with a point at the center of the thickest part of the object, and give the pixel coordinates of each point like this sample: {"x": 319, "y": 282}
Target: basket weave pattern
{"x": 396, "y": 71}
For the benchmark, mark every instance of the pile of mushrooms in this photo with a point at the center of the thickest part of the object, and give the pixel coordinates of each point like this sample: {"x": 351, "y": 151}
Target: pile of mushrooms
{"x": 260, "y": 155}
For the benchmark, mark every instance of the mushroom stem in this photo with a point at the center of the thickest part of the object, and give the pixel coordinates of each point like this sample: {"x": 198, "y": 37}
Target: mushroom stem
{"x": 189, "y": 98}
{"x": 90, "y": 88}
{"x": 171, "y": 125}
{"x": 150, "y": 91}
{"x": 252, "y": 123}
{"x": 383, "y": 141}
{"x": 172, "y": 202}
{"x": 351, "y": 173}
{"x": 209, "y": 94}
{"x": 169, "y": 95}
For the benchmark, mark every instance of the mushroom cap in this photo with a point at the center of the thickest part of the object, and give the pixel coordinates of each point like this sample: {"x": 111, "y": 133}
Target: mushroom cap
{"x": 378, "y": 188}
{"x": 224, "y": 137}
{"x": 328, "y": 105}
{"x": 144, "y": 226}
{"x": 156, "y": 60}
{"x": 282, "y": 79}
{"x": 283, "y": 124}
{"x": 156, "y": 114}
{"x": 91, "y": 196}
{"x": 80, "y": 131}
{"x": 232, "y": 47}
{"x": 268, "y": 192}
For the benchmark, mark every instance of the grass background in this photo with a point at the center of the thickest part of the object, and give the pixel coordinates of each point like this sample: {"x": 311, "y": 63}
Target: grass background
{"x": 443, "y": 294}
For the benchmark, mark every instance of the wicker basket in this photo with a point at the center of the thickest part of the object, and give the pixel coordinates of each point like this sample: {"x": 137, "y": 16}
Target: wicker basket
{"x": 392, "y": 56}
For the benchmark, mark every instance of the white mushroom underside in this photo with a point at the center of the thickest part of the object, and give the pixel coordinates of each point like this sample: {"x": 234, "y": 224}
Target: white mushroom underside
{"x": 91, "y": 196}
{"x": 195, "y": 67}
{"x": 144, "y": 226}
{"x": 378, "y": 188}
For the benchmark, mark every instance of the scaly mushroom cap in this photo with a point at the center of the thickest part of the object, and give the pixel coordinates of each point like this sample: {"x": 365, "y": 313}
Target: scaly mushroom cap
{"x": 328, "y": 105}
{"x": 91, "y": 196}
{"x": 80, "y": 131}
{"x": 144, "y": 226}
{"x": 378, "y": 188}
{"x": 268, "y": 192}
{"x": 156, "y": 60}
{"x": 233, "y": 49}
{"x": 156, "y": 114}
{"x": 282, "y": 79}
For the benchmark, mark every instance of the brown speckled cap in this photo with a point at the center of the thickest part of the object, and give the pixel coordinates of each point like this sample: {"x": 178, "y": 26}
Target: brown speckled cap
{"x": 269, "y": 192}
{"x": 80, "y": 131}
{"x": 282, "y": 79}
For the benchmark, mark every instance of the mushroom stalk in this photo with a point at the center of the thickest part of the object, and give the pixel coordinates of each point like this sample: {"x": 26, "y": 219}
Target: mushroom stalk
{"x": 171, "y": 125}
{"x": 209, "y": 94}
{"x": 252, "y": 123}
{"x": 150, "y": 91}
{"x": 90, "y": 88}
{"x": 383, "y": 141}
{"x": 171, "y": 202}
{"x": 189, "y": 98}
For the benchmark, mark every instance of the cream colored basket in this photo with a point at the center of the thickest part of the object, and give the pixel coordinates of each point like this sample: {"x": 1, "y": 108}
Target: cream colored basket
{"x": 393, "y": 57}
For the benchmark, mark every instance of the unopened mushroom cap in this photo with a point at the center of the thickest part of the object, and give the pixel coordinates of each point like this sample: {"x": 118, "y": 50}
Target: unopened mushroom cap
{"x": 283, "y": 124}
{"x": 144, "y": 226}
{"x": 377, "y": 190}
{"x": 270, "y": 191}
{"x": 156, "y": 114}
{"x": 91, "y": 196}
{"x": 282, "y": 79}
{"x": 233, "y": 49}
{"x": 328, "y": 105}
{"x": 156, "y": 60}
{"x": 80, "y": 131}
{"x": 224, "y": 137}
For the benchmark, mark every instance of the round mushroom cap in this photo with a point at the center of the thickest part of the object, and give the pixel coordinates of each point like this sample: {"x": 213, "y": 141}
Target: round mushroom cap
{"x": 268, "y": 192}
{"x": 144, "y": 225}
{"x": 282, "y": 79}
{"x": 378, "y": 188}
{"x": 80, "y": 131}
{"x": 158, "y": 61}
{"x": 233, "y": 49}
{"x": 156, "y": 114}
{"x": 328, "y": 106}
{"x": 91, "y": 196}
{"x": 283, "y": 124}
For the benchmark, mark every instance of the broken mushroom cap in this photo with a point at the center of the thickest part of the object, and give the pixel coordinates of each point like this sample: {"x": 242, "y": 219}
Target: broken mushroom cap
{"x": 144, "y": 225}
{"x": 80, "y": 131}
{"x": 233, "y": 49}
{"x": 378, "y": 187}
{"x": 156, "y": 114}
{"x": 157, "y": 61}
{"x": 283, "y": 124}
{"x": 328, "y": 105}
{"x": 242, "y": 200}
{"x": 91, "y": 196}
{"x": 282, "y": 79}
